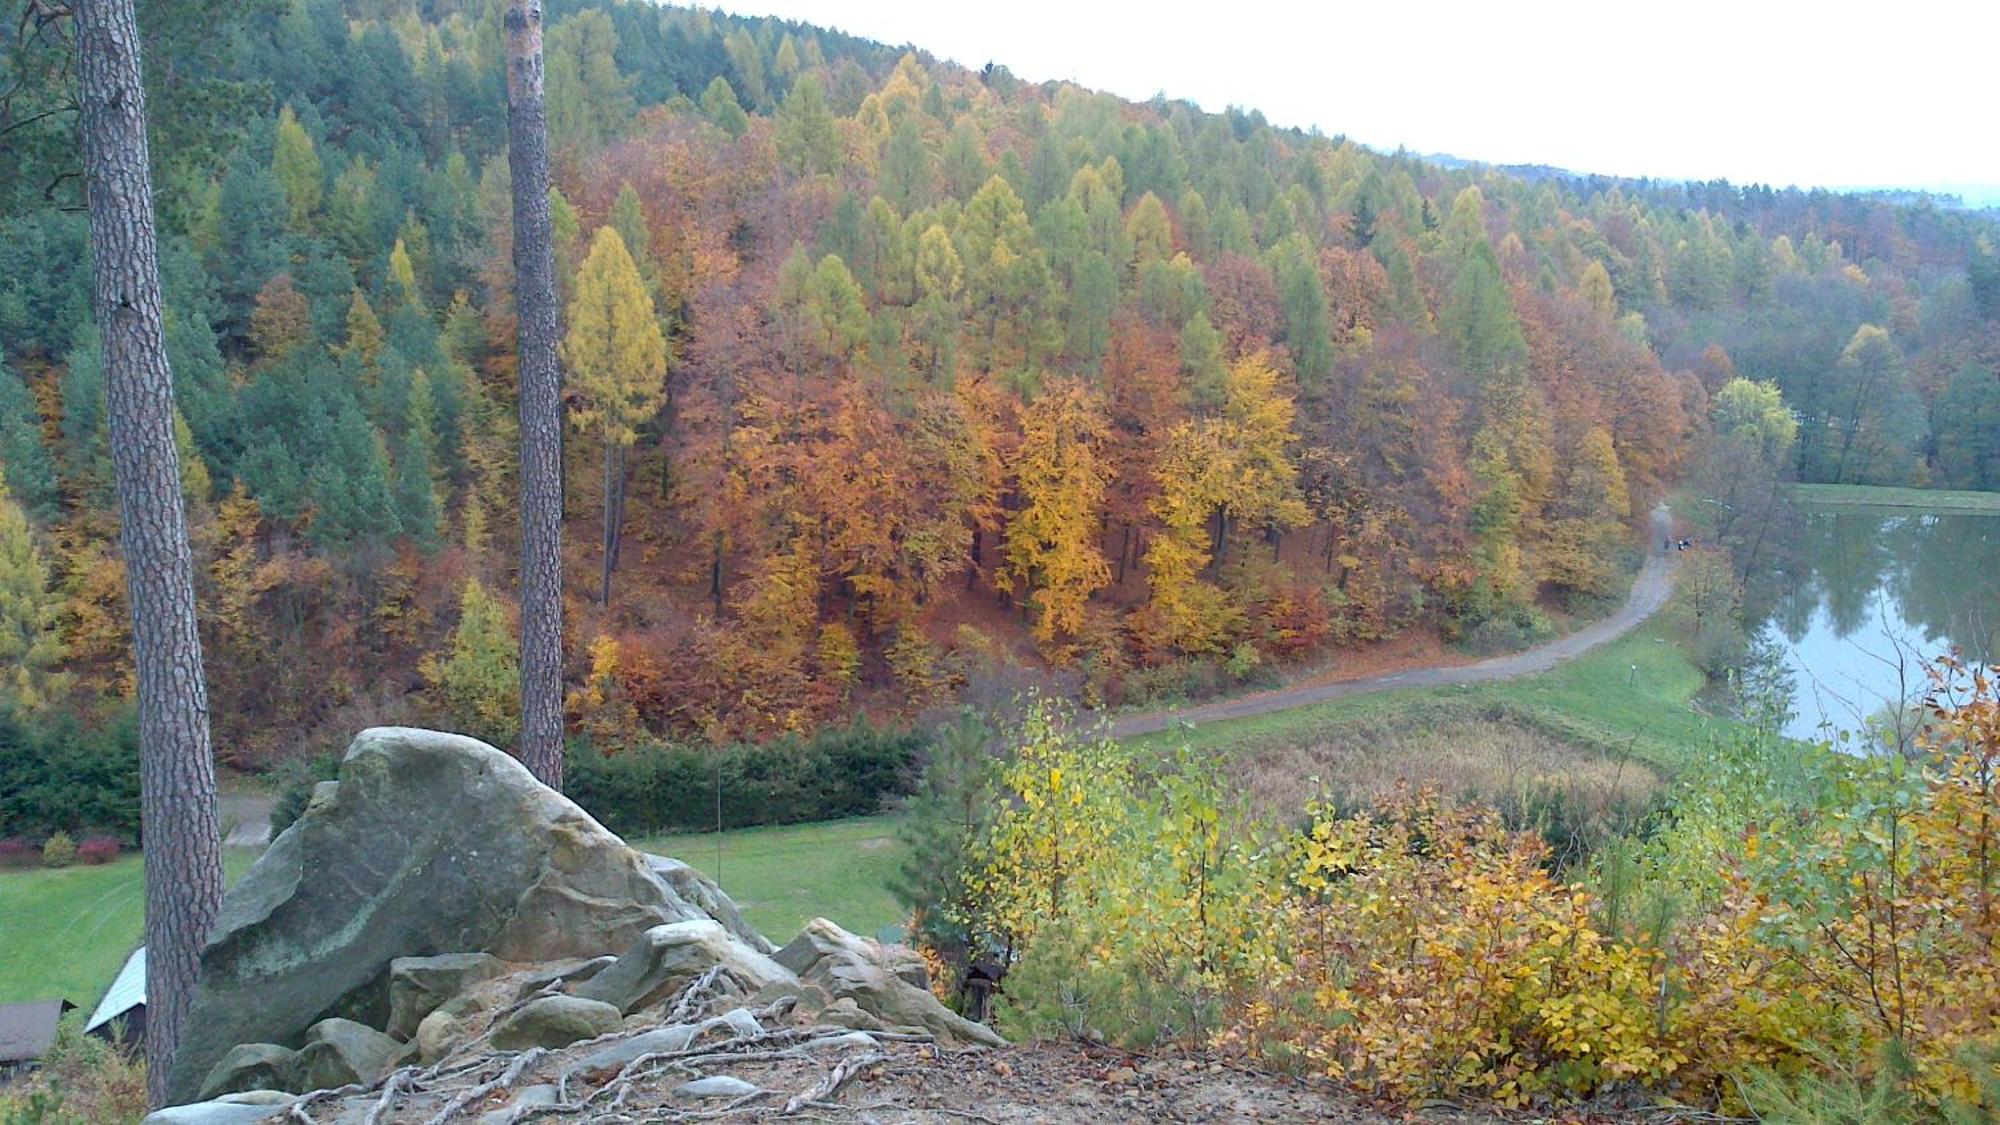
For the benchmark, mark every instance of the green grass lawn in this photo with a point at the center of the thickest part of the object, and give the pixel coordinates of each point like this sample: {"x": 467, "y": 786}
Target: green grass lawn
{"x": 65, "y": 932}
{"x": 784, "y": 877}
{"x": 1631, "y": 695}
{"x": 1876, "y": 496}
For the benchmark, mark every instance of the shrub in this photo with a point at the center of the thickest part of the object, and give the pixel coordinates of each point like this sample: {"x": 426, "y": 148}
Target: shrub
{"x": 19, "y": 851}
{"x": 1809, "y": 935}
{"x": 943, "y": 822}
{"x": 841, "y": 771}
{"x": 1517, "y": 628}
{"x": 1190, "y": 679}
{"x": 1138, "y": 905}
{"x": 82, "y": 1080}
{"x": 295, "y": 779}
{"x": 98, "y": 850}
{"x": 58, "y": 850}
{"x": 1434, "y": 955}
{"x": 57, "y": 774}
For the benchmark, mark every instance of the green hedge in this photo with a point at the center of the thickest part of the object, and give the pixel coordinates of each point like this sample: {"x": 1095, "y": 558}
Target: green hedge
{"x": 648, "y": 790}
{"x": 59, "y": 775}
{"x": 844, "y": 771}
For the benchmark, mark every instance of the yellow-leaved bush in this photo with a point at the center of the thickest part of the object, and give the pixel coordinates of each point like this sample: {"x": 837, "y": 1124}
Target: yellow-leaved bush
{"x": 1803, "y": 916}
{"x": 1134, "y": 907}
{"x": 1433, "y": 953}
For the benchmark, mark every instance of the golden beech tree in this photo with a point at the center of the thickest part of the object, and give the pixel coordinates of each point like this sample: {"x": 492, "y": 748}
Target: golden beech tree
{"x": 1141, "y": 379}
{"x": 1052, "y": 551}
{"x": 602, "y": 708}
{"x": 1257, "y": 416}
{"x": 1588, "y": 525}
{"x": 1186, "y": 613}
{"x": 1230, "y": 473}
{"x": 618, "y": 360}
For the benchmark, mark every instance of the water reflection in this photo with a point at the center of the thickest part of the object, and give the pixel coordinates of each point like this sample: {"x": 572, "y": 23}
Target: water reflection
{"x": 1871, "y": 592}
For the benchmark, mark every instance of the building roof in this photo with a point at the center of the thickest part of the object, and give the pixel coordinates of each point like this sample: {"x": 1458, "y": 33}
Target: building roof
{"x": 126, "y": 993}
{"x": 28, "y": 1030}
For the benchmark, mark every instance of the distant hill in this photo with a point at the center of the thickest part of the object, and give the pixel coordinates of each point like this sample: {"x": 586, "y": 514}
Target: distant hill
{"x": 974, "y": 382}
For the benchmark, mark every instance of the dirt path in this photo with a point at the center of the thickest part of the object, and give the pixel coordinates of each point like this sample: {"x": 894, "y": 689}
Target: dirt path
{"x": 247, "y": 816}
{"x": 1649, "y": 593}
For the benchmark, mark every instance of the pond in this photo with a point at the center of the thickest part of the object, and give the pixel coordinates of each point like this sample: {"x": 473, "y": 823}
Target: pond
{"x": 1870, "y": 595}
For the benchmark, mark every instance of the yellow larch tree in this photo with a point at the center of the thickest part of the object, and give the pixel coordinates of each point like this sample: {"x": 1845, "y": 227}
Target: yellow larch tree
{"x": 31, "y": 648}
{"x": 618, "y": 363}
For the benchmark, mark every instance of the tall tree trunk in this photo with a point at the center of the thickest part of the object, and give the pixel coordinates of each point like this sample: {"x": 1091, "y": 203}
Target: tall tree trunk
{"x": 540, "y": 399}
{"x": 614, "y": 512}
{"x": 624, "y": 479}
{"x": 176, "y": 772}
{"x": 715, "y": 574}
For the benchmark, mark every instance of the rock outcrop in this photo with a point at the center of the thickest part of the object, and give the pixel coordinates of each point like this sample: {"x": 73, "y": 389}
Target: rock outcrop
{"x": 667, "y": 957}
{"x": 418, "y": 986}
{"x": 439, "y": 892}
{"x": 430, "y": 843}
{"x": 339, "y": 1051}
{"x": 701, "y": 891}
{"x": 871, "y": 976}
{"x": 252, "y": 1066}
{"x": 555, "y": 1021}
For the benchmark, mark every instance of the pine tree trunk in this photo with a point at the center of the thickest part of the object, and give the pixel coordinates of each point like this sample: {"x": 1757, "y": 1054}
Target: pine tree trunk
{"x": 540, "y": 399}
{"x": 176, "y": 772}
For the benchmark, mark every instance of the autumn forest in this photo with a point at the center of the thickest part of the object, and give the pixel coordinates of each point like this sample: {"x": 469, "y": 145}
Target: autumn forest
{"x": 890, "y": 382}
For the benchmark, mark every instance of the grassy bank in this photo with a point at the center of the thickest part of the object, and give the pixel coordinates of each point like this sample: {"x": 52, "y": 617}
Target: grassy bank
{"x": 783, "y": 877}
{"x": 65, "y": 931}
{"x": 1876, "y": 496}
{"x": 1632, "y": 696}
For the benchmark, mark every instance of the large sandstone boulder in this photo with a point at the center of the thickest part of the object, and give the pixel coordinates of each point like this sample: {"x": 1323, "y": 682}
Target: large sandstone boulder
{"x": 665, "y": 958}
{"x": 868, "y": 974}
{"x": 702, "y": 891}
{"x": 437, "y": 1035}
{"x": 339, "y": 1052}
{"x": 252, "y": 1066}
{"x": 821, "y": 937}
{"x": 222, "y": 1111}
{"x": 419, "y": 985}
{"x": 430, "y": 843}
{"x": 555, "y": 1022}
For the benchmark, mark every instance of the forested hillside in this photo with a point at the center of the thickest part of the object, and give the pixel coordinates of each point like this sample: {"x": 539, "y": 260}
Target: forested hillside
{"x": 885, "y": 376}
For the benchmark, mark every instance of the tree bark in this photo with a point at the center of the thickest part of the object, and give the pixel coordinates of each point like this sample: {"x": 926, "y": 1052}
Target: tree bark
{"x": 540, "y": 399}
{"x": 614, "y": 513}
{"x": 176, "y": 771}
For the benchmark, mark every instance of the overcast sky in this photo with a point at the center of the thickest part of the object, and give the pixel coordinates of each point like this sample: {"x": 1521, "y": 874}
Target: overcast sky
{"x": 1814, "y": 94}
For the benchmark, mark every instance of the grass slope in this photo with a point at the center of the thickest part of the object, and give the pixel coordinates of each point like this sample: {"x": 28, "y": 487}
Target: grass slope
{"x": 1631, "y": 695}
{"x": 783, "y": 877}
{"x": 1876, "y": 496}
{"x": 65, "y": 932}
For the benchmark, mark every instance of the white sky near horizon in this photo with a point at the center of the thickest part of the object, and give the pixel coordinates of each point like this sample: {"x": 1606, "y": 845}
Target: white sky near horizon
{"x": 1827, "y": 94}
